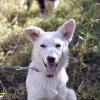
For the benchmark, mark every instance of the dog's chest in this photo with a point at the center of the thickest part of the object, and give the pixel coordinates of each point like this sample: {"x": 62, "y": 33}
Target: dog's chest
{"x": 51, "y": 82}
{"x": 50, "y": 87}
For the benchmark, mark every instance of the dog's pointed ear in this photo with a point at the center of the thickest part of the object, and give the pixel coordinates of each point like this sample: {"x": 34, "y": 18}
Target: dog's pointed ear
{"x": 67, "y": 29}
{"x": 33, "y": 32}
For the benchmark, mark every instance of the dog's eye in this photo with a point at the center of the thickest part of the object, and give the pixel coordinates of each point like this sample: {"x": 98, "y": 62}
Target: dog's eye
{"x": 43, "y": 46}
{"x": 58, "y": 45}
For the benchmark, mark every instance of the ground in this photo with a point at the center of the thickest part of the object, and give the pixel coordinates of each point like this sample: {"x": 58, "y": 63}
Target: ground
{"x": 15, "y": 47}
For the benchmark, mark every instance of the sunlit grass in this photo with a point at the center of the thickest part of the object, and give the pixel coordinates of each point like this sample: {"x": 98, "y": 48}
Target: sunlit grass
{"x": 15, "y": 48}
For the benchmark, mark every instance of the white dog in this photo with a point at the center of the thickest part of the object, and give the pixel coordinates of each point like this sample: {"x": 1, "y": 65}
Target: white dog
{"x": 47, "y": 78}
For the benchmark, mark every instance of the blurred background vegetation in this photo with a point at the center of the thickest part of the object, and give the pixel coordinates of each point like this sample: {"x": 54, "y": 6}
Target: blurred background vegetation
{"x": 15, "y": 47}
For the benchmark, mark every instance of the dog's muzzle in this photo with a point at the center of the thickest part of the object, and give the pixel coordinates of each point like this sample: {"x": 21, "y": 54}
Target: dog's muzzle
{"x": 51, "y": 65}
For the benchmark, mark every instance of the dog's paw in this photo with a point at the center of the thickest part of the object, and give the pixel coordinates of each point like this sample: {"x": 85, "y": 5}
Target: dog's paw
{"x": 71, "y": 95}
{"x": 53, "y": 93}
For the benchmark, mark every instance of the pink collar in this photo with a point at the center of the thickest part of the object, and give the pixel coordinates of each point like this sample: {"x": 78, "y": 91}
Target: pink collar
{"x": 48, "y": 75}
{"x": 37, "y": 70}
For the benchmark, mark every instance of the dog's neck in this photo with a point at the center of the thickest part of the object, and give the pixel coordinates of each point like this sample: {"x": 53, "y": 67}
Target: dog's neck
{"x": 48, "y": 75}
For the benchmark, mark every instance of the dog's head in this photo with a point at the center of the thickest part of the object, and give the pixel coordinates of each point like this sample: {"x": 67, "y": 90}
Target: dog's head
{"x": 51, "y": 48}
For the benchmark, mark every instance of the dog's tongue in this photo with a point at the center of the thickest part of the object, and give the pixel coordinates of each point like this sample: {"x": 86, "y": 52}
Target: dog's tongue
{"x": 51, "y": 69}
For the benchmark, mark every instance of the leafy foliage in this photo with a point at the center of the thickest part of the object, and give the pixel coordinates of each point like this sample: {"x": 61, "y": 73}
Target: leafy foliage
{"x": 15, "y": 48}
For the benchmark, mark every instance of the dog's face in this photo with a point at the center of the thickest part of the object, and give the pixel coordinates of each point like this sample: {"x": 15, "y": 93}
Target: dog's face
{"x": 49, "y": 47}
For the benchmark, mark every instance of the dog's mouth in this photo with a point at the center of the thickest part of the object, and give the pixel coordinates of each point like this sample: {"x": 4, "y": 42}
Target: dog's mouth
{"x": 51, "y": 67}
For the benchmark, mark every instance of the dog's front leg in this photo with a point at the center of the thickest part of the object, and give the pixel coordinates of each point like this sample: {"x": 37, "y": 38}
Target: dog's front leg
{"x": 52, "y": 94}
{"x": 45, "y": 99}
{"x": 62, "y": 93}
{"x": 59, "y": 97}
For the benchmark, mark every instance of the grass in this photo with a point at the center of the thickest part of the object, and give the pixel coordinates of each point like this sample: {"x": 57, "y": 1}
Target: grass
{"x": 15, "y": 48}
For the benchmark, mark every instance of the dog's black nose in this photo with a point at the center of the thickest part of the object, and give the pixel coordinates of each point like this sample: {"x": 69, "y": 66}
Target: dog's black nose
{"x": 51, "y": 59}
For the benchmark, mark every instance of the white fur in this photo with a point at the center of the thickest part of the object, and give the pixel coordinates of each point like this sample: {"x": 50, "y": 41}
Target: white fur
{"x": 40, "y": 87}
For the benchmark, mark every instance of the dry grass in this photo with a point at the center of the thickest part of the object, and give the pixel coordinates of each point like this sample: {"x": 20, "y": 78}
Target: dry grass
{"x": 15, "y": 48}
